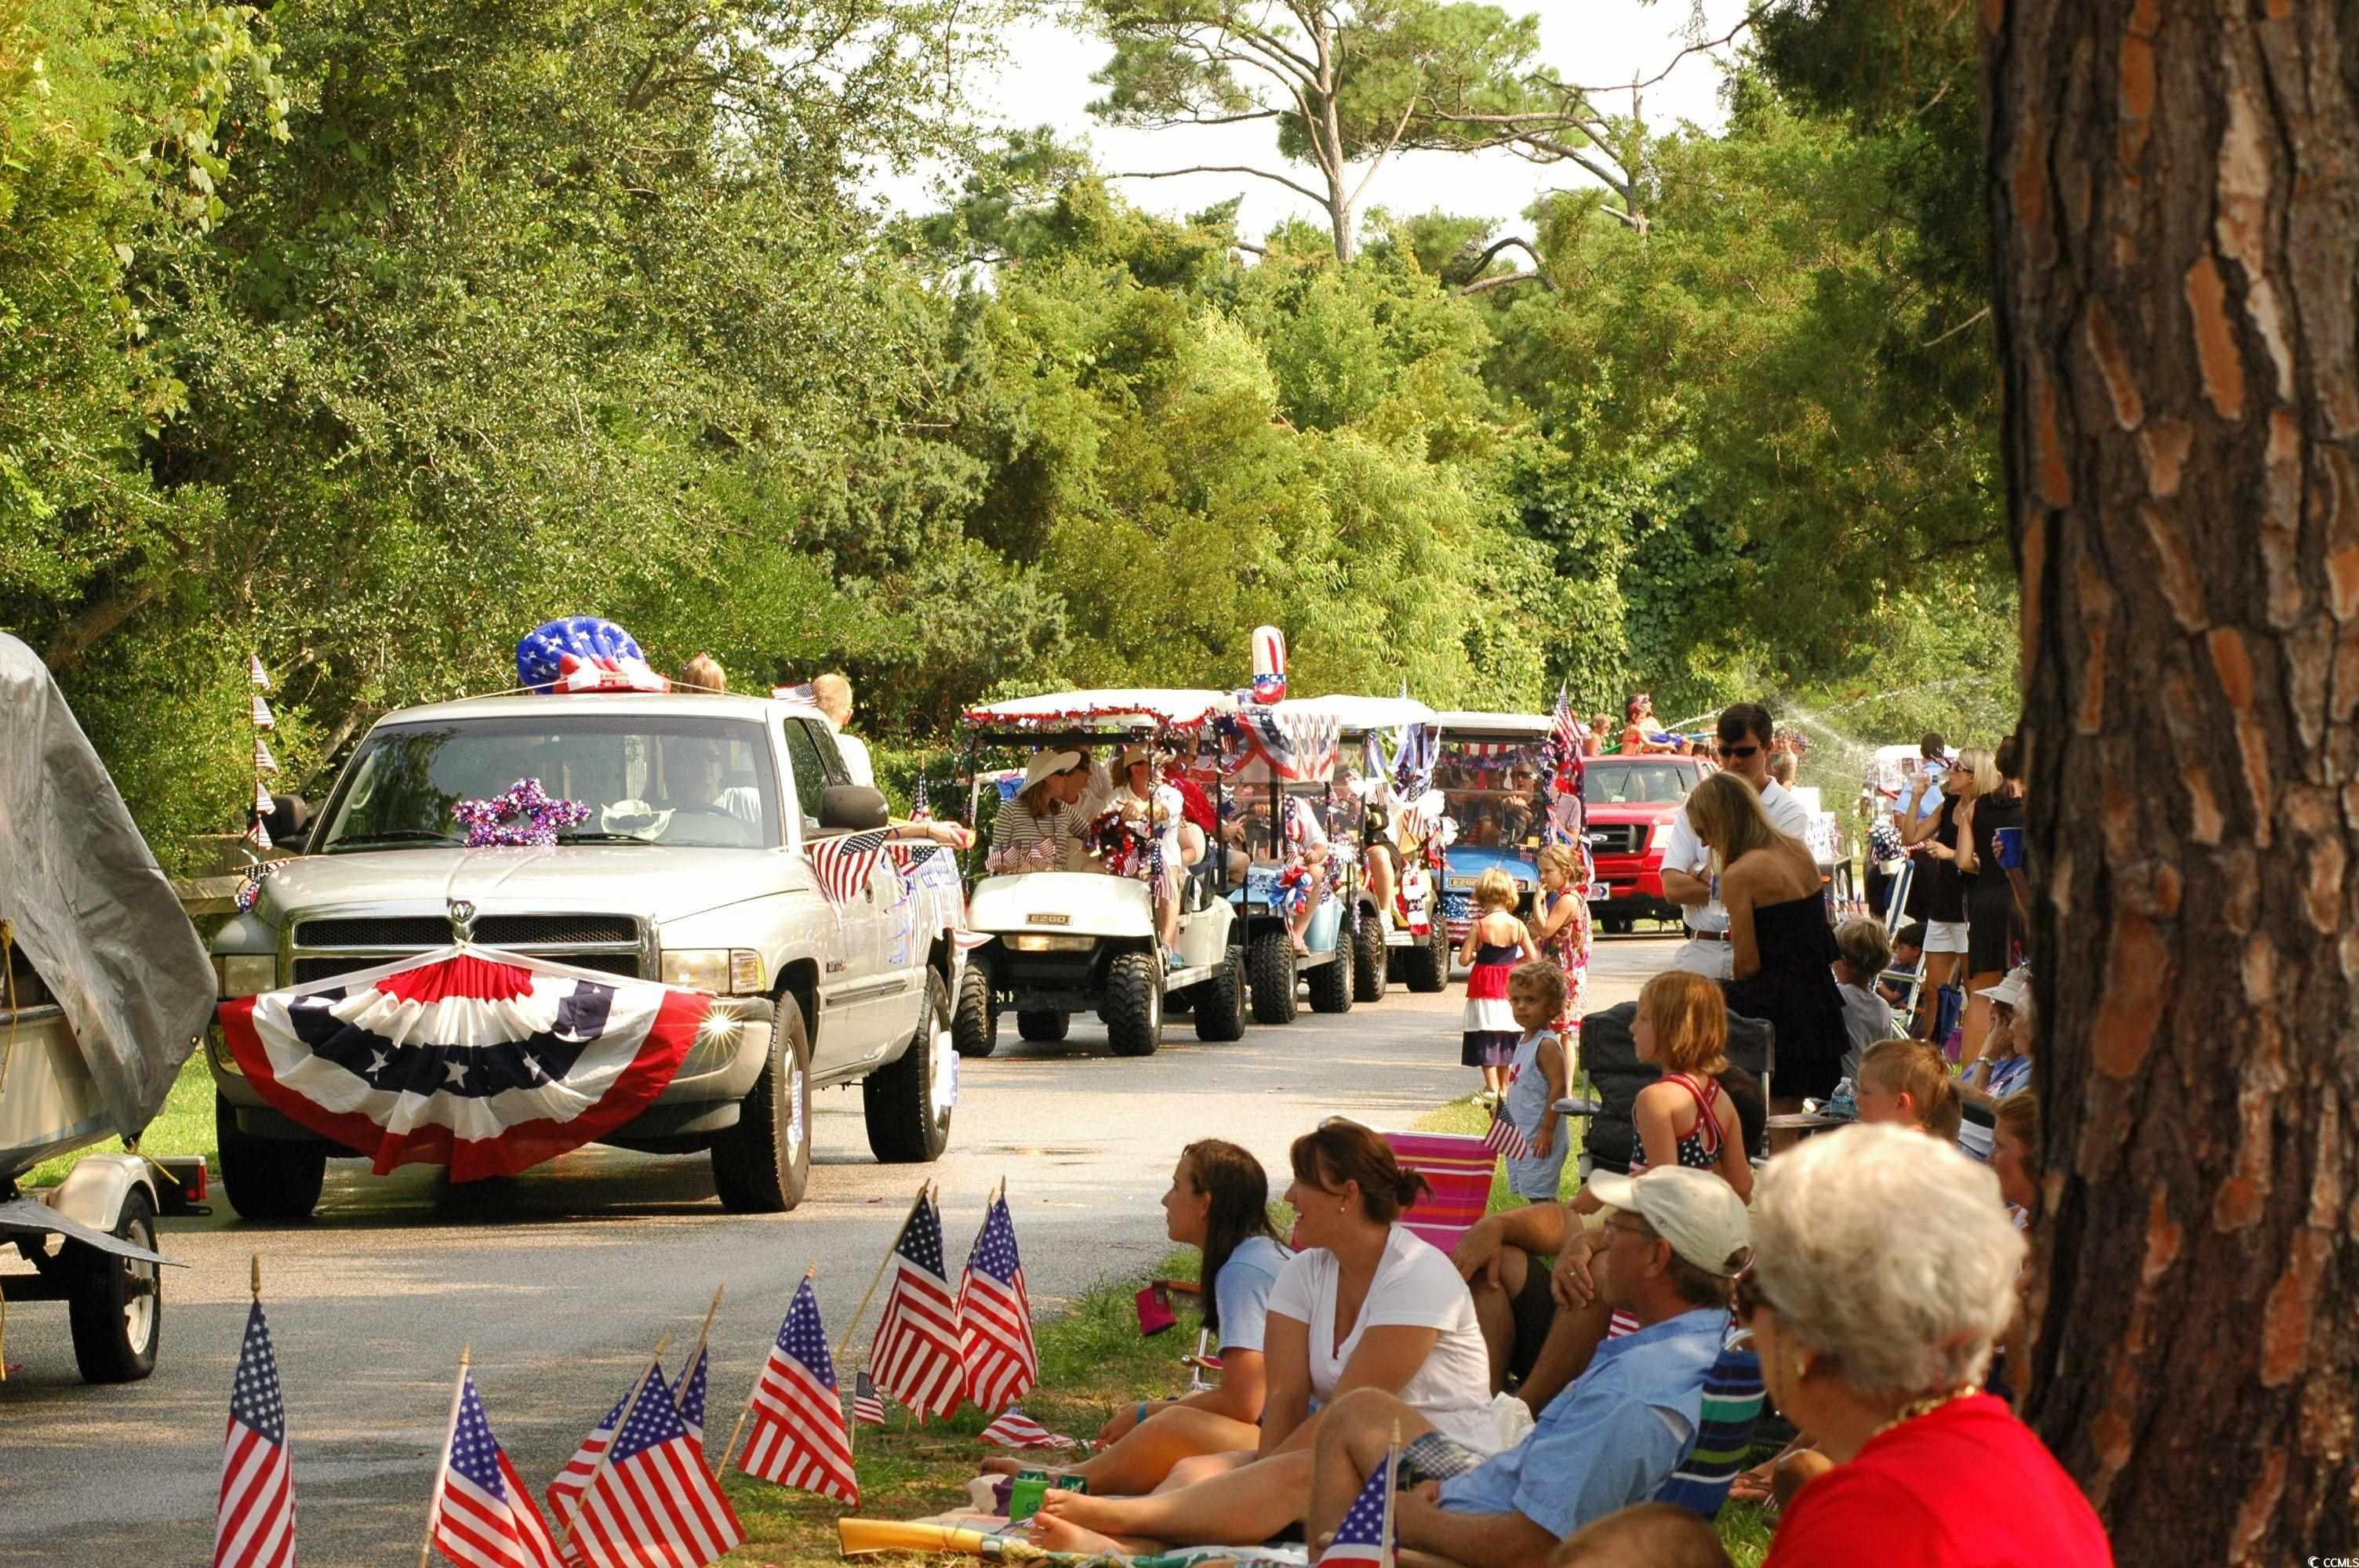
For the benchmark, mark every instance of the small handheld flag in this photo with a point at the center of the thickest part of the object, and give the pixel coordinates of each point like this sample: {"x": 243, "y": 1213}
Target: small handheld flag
{"x": 800, "y": 1437}
{"x": 867, "y": 1408}
{"x": 994, "y": 1315}
{"x": 486, "y": 1514}
{"x": 254, "y": 1526}
{"x": 1506, "y": 1138}
{"x": 916, "y": 1357}
{"x": 1365, "y": 1536}
{"x": 1017, "y": 1430}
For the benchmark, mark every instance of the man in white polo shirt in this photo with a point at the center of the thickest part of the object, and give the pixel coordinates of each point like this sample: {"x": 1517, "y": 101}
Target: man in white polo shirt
{"x": 1744, "y": 731}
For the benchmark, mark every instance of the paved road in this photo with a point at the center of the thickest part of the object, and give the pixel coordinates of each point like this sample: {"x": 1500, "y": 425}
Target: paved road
{"x": 563, "y": 1278}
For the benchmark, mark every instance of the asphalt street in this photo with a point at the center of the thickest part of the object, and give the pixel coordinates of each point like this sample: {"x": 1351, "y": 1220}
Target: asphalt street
{"x": 561, "y": 1279}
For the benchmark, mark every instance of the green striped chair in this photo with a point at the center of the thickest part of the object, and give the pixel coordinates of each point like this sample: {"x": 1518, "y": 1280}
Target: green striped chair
{"x": 1733, "y": 1397}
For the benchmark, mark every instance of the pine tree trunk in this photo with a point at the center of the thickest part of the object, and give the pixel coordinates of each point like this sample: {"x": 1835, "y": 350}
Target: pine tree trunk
{"x": 2174, "y": 190}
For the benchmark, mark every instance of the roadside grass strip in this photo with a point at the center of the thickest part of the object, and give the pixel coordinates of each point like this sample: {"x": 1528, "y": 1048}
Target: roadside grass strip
{"x": 185, "y": 1126}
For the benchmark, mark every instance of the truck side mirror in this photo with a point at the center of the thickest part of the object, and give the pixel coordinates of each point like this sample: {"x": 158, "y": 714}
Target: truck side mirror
{"x": 851, "y": 808}
{"x": 290, "y": 822}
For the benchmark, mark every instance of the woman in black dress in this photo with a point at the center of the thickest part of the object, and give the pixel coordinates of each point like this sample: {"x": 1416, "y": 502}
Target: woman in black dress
{"x": 1991, "y": 926}
{"x": 1782, "y": 947}
{"x": 1935, "y": 838}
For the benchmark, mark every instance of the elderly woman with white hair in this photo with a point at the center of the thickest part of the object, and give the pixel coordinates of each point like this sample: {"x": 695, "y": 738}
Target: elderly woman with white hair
{"x": 1884, "y": 1270}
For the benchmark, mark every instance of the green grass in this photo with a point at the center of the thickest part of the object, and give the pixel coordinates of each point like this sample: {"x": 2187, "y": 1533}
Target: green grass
{"x": 185, "y": 1126}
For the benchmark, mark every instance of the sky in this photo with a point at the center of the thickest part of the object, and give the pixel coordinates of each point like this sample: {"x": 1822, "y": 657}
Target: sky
{"x": 1047, "y": 81}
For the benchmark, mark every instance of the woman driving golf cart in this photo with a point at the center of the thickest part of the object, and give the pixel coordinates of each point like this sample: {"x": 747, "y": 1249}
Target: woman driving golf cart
{"x": 1034, "y": 831}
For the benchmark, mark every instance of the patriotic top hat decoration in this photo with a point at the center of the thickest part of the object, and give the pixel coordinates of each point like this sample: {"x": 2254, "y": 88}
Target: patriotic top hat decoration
{"x": 582, "y": 652}
{"x": 1268, "y": 665}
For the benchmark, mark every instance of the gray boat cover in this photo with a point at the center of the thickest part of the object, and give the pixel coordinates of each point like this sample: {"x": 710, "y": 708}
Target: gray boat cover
{"x": 90, "y": 905}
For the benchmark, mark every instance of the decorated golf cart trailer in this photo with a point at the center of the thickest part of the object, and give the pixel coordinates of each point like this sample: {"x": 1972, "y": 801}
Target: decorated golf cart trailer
{"x": 1391, "y": 743}
{"x": 1077, "y": 933}
{"x": 1298, "y": 834}
{"x": 106, "y": 993}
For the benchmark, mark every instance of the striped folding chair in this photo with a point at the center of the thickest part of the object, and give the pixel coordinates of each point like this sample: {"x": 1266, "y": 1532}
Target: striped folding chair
{"x": 1733, "y": 1397}
{"x": 1458, "y": 1166}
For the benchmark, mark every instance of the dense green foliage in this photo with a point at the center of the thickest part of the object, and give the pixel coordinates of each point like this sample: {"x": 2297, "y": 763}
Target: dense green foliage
{"x": 367, "y": 337}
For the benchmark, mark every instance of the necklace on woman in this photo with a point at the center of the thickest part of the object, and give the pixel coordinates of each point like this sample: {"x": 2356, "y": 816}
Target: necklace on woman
{"x": 1925, "y": 1406}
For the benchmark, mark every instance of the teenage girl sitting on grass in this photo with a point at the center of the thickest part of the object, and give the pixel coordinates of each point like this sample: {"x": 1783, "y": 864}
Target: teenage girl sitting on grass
{"x": 1495, "y": 942}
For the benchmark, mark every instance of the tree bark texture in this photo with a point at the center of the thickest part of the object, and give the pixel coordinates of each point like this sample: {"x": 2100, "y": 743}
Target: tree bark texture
{"x": 2174, "y": 192}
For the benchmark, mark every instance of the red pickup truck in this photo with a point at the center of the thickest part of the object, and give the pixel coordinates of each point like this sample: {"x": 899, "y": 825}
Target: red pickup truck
{"x": 1629, "y": 803}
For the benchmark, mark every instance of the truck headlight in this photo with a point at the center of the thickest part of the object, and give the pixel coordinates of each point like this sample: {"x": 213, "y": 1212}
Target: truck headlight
{"x": 723, "y": 972}
{"x": 247, "y": 974}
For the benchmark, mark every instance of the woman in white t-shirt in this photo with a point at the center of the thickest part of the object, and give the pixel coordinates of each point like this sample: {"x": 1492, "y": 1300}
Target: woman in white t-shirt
{"x": 1364, "y": 1303}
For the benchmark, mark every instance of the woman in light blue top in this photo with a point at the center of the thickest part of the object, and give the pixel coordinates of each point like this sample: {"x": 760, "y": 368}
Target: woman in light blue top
{"x": 1219, "y": 1202}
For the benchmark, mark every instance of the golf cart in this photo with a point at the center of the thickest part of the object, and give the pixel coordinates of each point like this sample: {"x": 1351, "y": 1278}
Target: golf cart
{"x": 1377, "y": 732}
{"x": 106, "y": 991}
{"x": 1280, "y": 762}
{"x": 1070, "y": 937}
{"x": 1489, "y": 774}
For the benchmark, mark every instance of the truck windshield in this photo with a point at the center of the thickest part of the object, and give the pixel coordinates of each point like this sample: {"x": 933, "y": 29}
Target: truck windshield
{"x": 1635, "y": 783}
{"x": 693, "y": 780}
{"x": 1492, "y": 788}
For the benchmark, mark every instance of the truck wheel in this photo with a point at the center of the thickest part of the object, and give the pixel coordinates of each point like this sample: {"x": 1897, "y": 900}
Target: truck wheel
{"x": 1134, "y": 1010}
{"x": 975, "y": 1027}
{"x": 1368, "y": 960}
{"x": 266, "y": 1178}
{"x": 1271, "y": 965}
{"x": 908, "y": 1102}
{"x": 1220, "y": 1003}
{"x": 116, "y": 1309}
{"x": 1045, "y": 1027}
{"x": 1427, "y": 968}
{"x": 1331, "y": 983}
{"x": 762, "y": 1165}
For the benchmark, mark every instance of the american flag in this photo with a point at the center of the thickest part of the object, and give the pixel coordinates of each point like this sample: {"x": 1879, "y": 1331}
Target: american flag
{"x": 921, "y": 810}
{"x": 584, "y": 1463}
{"x": 916, "y": 1357}
{"x": 255, "y": 1526}
{"x": 800, "y": 1437}
{"x": 655, "y": 1502}
{"x": 843, "y": 865}
{"x": 995, "y": 1317}
{"x": 487, "y": 1519}
{"x": 688, "y": 1397}
{"x": 1365, "y": 1536}
{"x": 1565, "y": 726}
{"x": 1017, "y": 1430}
{"x": 1505, "y": 1138}
{"x": 866, "y": 1408}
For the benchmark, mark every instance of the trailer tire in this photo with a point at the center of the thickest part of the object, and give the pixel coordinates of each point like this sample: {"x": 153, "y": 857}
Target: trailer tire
{"x": 117, "y": 1310}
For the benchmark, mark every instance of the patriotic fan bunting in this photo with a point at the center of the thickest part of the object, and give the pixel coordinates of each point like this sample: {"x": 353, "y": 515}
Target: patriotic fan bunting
{"x": 486, "y": 1062}
{"x": 995, "y": 1317}
{"x": 253, "y": 1525}
{"x": 486, "y": 1518}
{"x": 916, "y": 1357}
{"x": 799, "y": 1438}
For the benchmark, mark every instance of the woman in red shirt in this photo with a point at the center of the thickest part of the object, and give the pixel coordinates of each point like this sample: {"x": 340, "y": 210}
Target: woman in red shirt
{"x": 1885, "y": 1370}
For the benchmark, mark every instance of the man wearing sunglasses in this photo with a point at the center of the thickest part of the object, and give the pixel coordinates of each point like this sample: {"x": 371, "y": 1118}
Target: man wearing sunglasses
{"x": 1744, "y": 732}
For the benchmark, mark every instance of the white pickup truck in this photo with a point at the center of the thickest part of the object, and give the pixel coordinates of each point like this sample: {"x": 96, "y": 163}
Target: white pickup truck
{"x": 690, "y": 869}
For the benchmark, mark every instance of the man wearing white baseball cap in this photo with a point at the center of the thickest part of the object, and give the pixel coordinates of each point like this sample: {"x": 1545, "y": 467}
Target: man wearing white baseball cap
{"x": 1609, "y": 1440}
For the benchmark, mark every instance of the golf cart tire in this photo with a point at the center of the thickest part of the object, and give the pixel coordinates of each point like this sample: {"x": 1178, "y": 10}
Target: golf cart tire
{"x": 897, "y": 1099}
{"x": 1271, "y": 967}
{"x": 1046, "y": 1028}
{"x": 1331, "y": 982}
{"x": 266, "y": 1178}
{"x": 1134, "y": 1010}
{"x": 975, "y": 1027}
{"x": 1220, "y": 1003}
{"x": 758, "y": 1166}
{"x": 1427, "y": 969}
{"x": 1369, "y": 957}
{"x": 104, "y": 1293}
{"x": 1619, "y": 925}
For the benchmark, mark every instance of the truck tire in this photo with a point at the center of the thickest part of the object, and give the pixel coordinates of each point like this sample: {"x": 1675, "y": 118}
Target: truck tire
{"x": 1046, "y": 1028}
{"x": 1331, "y": 983}
{"x": 1271, "y": 964}
{"x": 1369, "y": 954}
{"x": 1220, "y": 1003}
{"x": 1134, "y": 1010}
{"x": 116, "y": 1309}
{"x": 762, "y": 1165}
{"x": 906, "y": 1127}
{"x": 975, "y": 1027}
{"x": 266, "y": 1178}
{"x": 1427, "y": 968}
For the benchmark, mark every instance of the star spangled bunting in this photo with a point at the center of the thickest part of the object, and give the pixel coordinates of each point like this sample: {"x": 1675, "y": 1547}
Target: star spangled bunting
{"x": 844, "y": 864}
{"x": 487, "y": 1519}
{"x": 254, "y": 1526}
{"x": 921, "y": 810}
{"x": 1505, "y": 1136}
{"x": 655, "y": 1502}
{"x": 1017, "y": 1430}
{"x": 916, "y": 1357}
{"x": 688, "y": 1397}
{"x": 1361, "y": 1537}
{"x": 799, "y": 1438}
{"x": 995, "y": 1317}
{"x": 867, "y": 1409}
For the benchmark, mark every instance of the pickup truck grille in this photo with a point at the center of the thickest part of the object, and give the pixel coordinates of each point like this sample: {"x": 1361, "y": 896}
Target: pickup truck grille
{"x": 1617, "y": 838}
{"x": 624, "y": 963}
{"x": 491, "y": 930}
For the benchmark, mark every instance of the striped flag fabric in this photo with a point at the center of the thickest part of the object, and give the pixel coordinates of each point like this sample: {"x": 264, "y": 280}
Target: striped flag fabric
{"x": 844, "y": 864}
{"x": 578, "y": 1470}
{"x": 867, "y": 1410}
{"x": 254, "y": 1526}
{"x": 1365, "y": 1536}
{"x": 995, "y": 1317}
{"x": 800, "y": 1437}
{"x": 916, "y": 1356}
{"x": 1017, "y": 1430}
{"x": 655, "y": 1502}
{"x": 487, "y": 1519}
{"x": 688, "y": 1397}
{"x": 1506, "y": 1138}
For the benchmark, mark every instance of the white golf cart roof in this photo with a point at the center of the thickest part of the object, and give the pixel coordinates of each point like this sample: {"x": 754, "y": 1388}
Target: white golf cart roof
{"x": 1535, "y": 725}
{"x": 1119, "y": 707}
{"x": 1355, "y": 716}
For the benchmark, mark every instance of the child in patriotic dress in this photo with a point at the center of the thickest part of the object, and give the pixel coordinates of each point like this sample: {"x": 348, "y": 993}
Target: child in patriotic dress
{"x": 1535, "y": 1081}
{"x": 1495, "y": 942}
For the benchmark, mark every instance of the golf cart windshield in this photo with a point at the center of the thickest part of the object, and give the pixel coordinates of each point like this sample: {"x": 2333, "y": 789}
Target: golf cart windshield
{"x": 1491, "y": 787}
{"x": 687, "y": 780}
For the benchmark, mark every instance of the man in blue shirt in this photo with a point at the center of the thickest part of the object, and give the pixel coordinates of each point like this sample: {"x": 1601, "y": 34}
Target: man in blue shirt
{"x": 1611, "y": 1439}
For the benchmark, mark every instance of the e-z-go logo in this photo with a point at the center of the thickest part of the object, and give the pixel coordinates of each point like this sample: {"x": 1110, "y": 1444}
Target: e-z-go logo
{"x": 2334, "y": 1562}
